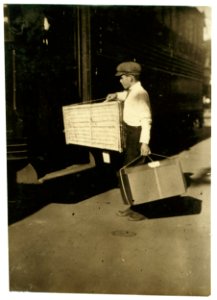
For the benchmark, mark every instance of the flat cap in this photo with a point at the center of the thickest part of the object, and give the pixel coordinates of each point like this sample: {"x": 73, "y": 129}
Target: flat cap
{"x": 128, "y": 68}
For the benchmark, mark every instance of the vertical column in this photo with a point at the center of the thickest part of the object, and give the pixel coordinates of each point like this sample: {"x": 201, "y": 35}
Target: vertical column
{"x": 84, "y": 53}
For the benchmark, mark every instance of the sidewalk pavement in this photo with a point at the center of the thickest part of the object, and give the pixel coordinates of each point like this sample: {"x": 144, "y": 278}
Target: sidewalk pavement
{"x": 85, "y": 247}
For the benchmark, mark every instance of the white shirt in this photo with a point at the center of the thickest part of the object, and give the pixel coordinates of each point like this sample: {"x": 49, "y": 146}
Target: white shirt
{"x": 137, "y": 111}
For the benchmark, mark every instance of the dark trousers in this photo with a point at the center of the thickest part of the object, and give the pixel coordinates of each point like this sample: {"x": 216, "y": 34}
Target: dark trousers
{"x": 132, "y": 144}
{"x": 132, "y": 150}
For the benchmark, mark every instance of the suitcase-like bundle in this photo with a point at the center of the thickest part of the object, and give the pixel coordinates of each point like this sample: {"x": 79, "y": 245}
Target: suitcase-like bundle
{"x": 151, "y": 181}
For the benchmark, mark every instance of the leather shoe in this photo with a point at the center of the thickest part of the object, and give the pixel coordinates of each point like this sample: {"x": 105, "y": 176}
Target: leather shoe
{"x": 124, "y": 213}
{"x": 134, "y": 216}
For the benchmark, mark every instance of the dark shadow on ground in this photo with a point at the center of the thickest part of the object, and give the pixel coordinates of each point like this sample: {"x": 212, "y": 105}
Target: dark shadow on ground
{"x": 26, "y": 199}
{"x": 203, "y": 177}
{"x": 188, "y": 179}
{"x": 169, "y": 207}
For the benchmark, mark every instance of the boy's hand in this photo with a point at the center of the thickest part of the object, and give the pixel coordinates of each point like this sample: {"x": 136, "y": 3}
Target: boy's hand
{"x": 111, "y": 97}
{"x": 145, "y": 150}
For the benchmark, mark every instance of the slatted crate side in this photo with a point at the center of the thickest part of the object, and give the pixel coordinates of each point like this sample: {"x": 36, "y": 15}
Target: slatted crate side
{"x": 94, "y": 125}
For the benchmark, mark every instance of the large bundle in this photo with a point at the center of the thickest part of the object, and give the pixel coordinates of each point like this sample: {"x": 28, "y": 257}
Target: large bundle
{"x": 151, "y": 181}
{"x": 96, "y": 125}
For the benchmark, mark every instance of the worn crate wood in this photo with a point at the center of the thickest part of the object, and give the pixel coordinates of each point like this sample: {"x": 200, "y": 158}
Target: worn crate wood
{"x": 151, "y": 181}
{"x": 96, "y": 125}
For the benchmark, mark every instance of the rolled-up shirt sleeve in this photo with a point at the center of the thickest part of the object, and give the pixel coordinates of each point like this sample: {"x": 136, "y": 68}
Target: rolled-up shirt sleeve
{"x": 145, "y": 118}
{"x": 146, "y": 129}
{"x": 122, "y": 95}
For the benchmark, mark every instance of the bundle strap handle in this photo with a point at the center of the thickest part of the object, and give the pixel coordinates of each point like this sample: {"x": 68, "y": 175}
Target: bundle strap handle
{"x": 140, "y": 156}
{"x": 160, "y": 155}
{"x": 131, "y": 162}
{"x": 89, "y": 101}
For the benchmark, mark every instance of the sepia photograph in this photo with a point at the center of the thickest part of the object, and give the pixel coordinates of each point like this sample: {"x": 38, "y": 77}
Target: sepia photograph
{"x": 108, "y": 149}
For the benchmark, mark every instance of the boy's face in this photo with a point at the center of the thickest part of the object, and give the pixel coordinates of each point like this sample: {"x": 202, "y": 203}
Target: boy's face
{"x": 126, "y": 81}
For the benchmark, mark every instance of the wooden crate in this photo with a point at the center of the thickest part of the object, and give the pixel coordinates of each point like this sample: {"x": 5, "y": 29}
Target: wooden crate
{"x": 96, "y": 125}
